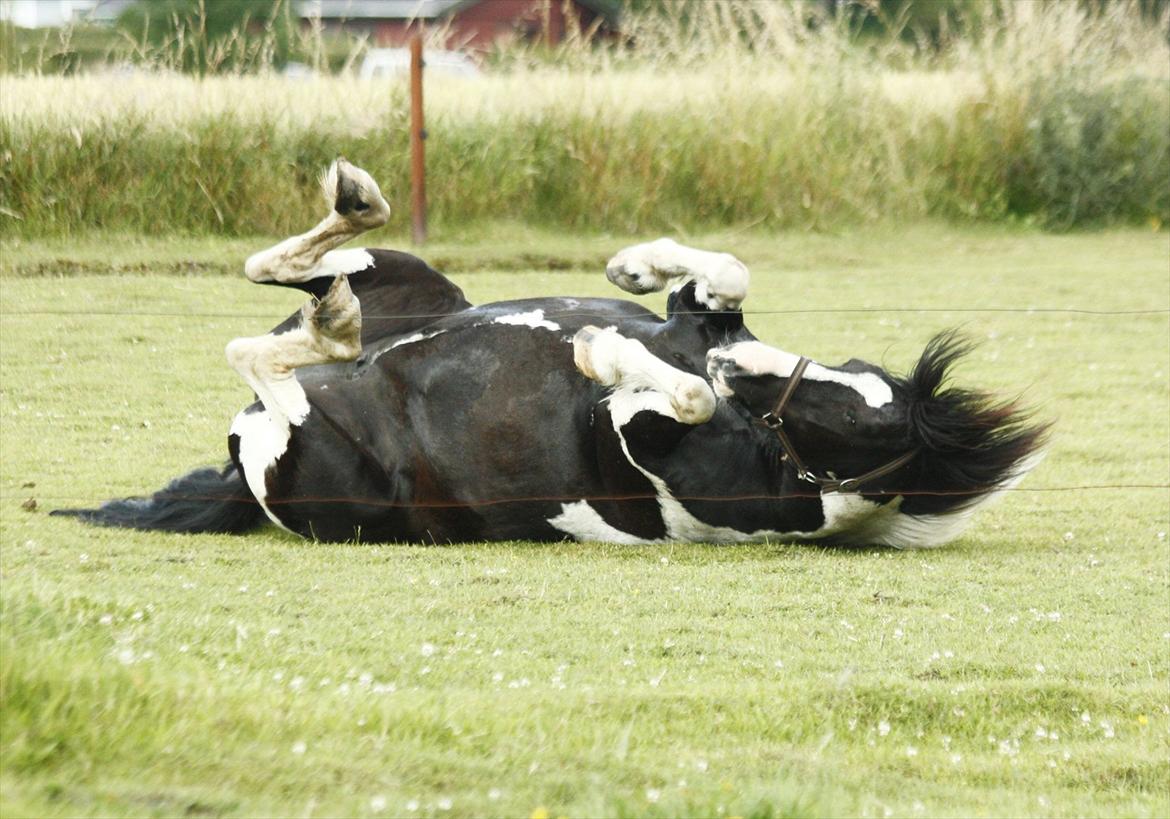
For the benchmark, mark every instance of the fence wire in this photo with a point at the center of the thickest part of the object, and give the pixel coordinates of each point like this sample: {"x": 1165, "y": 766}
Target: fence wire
{"x": 489, "y": 502}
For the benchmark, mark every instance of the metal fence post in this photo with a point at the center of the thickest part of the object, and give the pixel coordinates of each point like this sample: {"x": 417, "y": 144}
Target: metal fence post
{"x": 418, "y": 180}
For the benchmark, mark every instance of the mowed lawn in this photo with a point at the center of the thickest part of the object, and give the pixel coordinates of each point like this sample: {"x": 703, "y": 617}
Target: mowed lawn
{"x": 1022, "y": 670}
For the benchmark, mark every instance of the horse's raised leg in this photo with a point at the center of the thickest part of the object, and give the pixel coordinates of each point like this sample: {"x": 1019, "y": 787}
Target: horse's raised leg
{"x": 356, "y": 205}
{"x": 721, "y": 280}
{"x": 330, "y": 330}
{"x": 612, "y": 360}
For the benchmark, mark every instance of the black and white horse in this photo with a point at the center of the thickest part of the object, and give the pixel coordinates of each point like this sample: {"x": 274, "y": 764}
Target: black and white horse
{"x": 435, "y": 421}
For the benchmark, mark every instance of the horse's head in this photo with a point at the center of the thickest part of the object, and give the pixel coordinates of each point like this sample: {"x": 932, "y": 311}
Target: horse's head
{"x": 842, "y": 421}
{"x": 943, "y": 449}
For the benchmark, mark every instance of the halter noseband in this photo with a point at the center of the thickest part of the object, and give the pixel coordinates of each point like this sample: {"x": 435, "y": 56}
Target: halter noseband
{"x": 775, "y": 422}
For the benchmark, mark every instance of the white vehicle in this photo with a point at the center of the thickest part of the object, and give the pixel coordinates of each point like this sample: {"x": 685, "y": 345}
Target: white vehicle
{"x": 390, "y": 62}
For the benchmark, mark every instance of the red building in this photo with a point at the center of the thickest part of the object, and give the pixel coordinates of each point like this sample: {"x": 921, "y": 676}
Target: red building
{"x": 471, "y": 24}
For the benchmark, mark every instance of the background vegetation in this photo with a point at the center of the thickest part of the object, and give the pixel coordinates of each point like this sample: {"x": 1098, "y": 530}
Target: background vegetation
{"x": 736, "y": 113}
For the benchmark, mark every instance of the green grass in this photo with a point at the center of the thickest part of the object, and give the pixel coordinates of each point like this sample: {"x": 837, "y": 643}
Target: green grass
{"x": 1023, "y": 670}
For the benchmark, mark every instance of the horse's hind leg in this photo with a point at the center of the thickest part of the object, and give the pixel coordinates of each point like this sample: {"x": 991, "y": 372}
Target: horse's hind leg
{"x": 356, "y": 205}
{"x": 330, "y": 330}
{"x": 721, "y": 280}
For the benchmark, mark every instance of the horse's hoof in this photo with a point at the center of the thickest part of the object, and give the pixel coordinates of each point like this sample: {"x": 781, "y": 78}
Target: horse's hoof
{"x": 354, "y": 195}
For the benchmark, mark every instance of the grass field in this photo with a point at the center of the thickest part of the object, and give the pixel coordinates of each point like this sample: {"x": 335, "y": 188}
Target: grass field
{"x": 1023, "y": 670}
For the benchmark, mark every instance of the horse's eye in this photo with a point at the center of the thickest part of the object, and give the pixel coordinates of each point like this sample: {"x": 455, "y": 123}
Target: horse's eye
{"x": 851, "y": 418}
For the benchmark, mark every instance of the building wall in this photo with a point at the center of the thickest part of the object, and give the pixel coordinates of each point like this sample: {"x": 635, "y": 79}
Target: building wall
{"x": 477, "y": 26}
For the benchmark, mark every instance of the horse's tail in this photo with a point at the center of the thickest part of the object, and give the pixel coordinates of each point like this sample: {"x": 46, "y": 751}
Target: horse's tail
{"x": 206, "y": 500}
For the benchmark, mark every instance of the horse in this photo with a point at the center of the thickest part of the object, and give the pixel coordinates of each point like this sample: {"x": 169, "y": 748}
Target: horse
{"x": 431, "y": 420}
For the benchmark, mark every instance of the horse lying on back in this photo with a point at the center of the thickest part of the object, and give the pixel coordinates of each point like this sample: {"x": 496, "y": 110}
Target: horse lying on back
{"x": 544, "y": 419}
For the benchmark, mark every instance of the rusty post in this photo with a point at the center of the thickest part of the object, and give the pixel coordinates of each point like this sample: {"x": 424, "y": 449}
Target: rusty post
{"x": 418, "y": 166}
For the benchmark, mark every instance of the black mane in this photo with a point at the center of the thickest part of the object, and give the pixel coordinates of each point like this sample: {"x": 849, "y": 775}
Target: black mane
{"x": 973, "y": 443}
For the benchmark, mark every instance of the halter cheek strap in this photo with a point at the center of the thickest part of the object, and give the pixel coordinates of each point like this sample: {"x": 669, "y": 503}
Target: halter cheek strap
{"x": 774, "y": 420}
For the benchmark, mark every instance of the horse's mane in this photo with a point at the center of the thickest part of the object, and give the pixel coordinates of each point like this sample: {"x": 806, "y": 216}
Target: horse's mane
{"x": 973, "y": 444}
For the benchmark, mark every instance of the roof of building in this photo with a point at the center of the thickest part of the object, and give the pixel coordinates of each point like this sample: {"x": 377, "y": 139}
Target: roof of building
{"x": 417, "y": 9}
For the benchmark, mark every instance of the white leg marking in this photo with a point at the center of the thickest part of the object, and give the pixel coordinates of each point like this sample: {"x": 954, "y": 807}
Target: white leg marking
{"x": 582, "y": 522}
{"x": 760, "y": 359}
{"x": 721, "y": 280}
{"x": 610, "y": 359}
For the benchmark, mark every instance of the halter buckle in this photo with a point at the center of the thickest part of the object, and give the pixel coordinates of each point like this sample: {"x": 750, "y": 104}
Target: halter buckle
{"x": 771, "y": 420}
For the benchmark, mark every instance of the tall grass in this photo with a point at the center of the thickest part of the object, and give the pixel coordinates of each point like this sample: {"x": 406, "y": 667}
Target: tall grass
{"x": 744, "y": 113}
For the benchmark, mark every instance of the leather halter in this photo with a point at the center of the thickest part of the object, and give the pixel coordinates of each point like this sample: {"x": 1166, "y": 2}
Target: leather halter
{"x": 774, "y": 421}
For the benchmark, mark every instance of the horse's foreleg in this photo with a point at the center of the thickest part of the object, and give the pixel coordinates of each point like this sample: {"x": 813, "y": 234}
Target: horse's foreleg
{"x": 721, "y": 280}
{"x": 612, "y": 360}
{"x": 330, "y": 330}
{"x": 356, "y": 205}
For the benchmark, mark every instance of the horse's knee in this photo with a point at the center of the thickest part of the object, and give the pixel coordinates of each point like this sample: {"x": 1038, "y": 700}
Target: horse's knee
{"x": 239, "y": 353}
{"x": 595, "y": 354}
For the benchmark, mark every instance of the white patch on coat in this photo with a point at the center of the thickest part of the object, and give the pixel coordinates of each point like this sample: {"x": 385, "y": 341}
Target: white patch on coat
{"x": 417, "y": 337}
{"x": 582, "y": 522}
{"x": 757, "y": 358}
{"x": 680, "y": 524}
{"x": 343, "y": 262}
{"x": 534, "y": 319}
{"x": 262, "y": 442}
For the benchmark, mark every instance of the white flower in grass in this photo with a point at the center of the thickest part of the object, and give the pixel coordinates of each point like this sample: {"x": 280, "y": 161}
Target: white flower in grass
{"x": 378, "y": 803}
{"x": 1107, "y": 729}
{"x": 911, "y": 750}
{"x": 106, "y": 619}
{"x": 1085, "y": 718}
{"x": 883, "y": 728}
{"x": 956, "y": 759}
{"x": 412, "y": 806}
{"x": 299, "y": 747}
{"x": 494, "y": 794}
{"x": 444, "y": 803}
{"x": 427, "y": 649}
{"x": 653, "y": 795}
